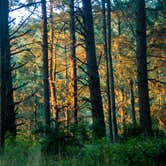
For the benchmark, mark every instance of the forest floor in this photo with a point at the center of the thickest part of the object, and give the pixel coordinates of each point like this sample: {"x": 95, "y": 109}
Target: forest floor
{"x": 136, "y": 151}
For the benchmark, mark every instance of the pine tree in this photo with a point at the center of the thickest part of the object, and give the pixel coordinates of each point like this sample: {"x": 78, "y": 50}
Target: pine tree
{"x": 142, "y": 75}
{"x": 45, "y": 64}
{"x": 93, "y": 74}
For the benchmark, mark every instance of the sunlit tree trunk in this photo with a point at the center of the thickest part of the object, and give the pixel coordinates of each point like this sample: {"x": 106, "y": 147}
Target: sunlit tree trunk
{"x": 66, "y": 86}
{"x": 123, "y": 117}
{"x": 53, "y": 94}
{"x": 45, "y": 63}
{"x": 111, "y": 76}
{"x": 107, "y": 69}
{"x": 74, "y": 106}
{"x": 93, "y": 74}
{"x": 141, "y": 55}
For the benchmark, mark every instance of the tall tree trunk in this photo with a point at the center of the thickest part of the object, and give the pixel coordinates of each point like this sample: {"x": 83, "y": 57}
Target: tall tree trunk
{"x": 56, "y": 108}
{"x": 107, "y": 69}
{"x": 141, "y": 55}
{"x": 2, "y": 73}
{"x": 66, "y": 87}
{"x": 132, "y": 103}
{"x": 111, "y": 76}
{"x": 74, "y": 105}
{"x": 93, "y": 74}
{"x": 45, "y": 63}
{"x": 10, "y": 124}
{"x": 53, "y": 66}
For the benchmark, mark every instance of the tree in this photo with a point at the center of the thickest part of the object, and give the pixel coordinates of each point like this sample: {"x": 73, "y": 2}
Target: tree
{"x": 7, "y": 87}
{"x": 52, "y": 65}
{"x": 45, "y": 64}
{"x": 2, "y": 79}
{"x": 110, "y": 69}
{"x": 142, "y": 76}
{"x": 94, "y": 81}
{"x": 74, "y": 105}
{"x": 107, "y": 69}
{"x": 132, "y": 103}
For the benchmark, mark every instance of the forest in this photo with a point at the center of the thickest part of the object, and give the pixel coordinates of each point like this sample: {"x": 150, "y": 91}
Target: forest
{"x": 82, "y": 82}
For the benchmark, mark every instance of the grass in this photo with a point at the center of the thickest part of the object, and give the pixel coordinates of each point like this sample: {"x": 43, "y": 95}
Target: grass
{"x": 137, "y": 151}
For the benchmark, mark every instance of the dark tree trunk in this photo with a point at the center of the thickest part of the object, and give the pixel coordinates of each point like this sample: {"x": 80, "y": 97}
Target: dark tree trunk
{"x": 2, "y": 78}
{"x": 119, "y": 26}
{"x": 107, "y": 69}
{"x": 10, "y": 124}
{"x": 45, "y": 63}
{"x": 141, "y": 55}
{"x": 10, "y": 112}
{"x": 132, "y": 103}
{"x": 93, "y": 74}
{"x": 111, "y": 76}
{"x": 74, "y": 105}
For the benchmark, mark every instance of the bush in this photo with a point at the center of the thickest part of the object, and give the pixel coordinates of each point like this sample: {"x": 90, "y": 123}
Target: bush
{"x": 137, "y": 151}
{"x": 131, "y": 131}
{"x": 56, "y": 140}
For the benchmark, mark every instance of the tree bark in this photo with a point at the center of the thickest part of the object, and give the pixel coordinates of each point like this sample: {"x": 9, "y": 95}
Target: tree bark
{"x": 132, "y": 103}
{"x": 53, "y": 94}
{"x": 124, "y": 113}
{"x": 141, "y": 55}
{"x": 111, "y": 76}
{"x": 2, "y": 78}
{"x": 93, "y": 74}
{"x": 74, "y": 106}
{"x": 66, "y": 86}
{"x": 107, "y": 70}
{"x": 9, "y": 112}
{"x": 45, "y": 64}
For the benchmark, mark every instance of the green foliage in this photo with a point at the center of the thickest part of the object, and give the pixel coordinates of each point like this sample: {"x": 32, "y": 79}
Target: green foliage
{"x": 82, "y": 131}
{"x": 56, "y": 140}
{"x": 137, "y": 151}
{"x": 131, "y": 131}
{"x": 134, "y": 152}
{"x": 21, "y": 151}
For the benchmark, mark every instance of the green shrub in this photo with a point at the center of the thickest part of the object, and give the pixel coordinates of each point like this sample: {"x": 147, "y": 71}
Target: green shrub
{"x": 56, "y": 140}
{"x": 136, "y": 151}
{"x": 139, "y": 151}
{"x": 131, "y": 131}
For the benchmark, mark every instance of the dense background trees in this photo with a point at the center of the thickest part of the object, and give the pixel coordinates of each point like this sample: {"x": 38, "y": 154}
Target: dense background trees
{"x": 89, "y": 69}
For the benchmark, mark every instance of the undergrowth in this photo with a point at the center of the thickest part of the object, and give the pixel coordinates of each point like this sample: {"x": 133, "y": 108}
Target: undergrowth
{"x": 137, "y": 151}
